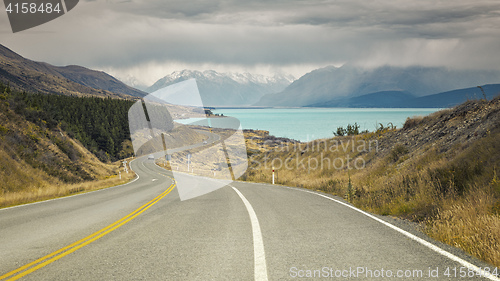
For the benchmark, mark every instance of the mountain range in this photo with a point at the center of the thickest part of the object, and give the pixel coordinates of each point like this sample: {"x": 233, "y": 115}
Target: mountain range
{"x": 386, "y": 86}
{"x": 404, "y": 99}
{"x": 346, "y": 86}
{"x": 227, "y": 89}
{"x": 27, "y": 75}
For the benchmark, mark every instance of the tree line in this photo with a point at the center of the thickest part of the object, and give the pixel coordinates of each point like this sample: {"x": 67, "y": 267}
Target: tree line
{"x": 100, "y": 124}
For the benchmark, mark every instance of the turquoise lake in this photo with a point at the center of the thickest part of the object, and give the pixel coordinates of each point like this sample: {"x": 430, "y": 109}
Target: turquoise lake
{"x": 307, "y": 124}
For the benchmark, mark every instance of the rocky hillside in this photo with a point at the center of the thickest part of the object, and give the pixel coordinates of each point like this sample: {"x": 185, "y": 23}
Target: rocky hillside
{"x": 462, "y": 125}
{"x": 441, "y": 136}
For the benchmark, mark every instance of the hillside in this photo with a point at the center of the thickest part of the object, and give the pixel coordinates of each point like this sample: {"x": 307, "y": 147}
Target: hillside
{"x": 228, "y": 89}
{"x": 100, "y": 124}
{"x": 441, "y": 171}
{"x": 39, "y": 160}
{"x": 330, "y": 85}
{"x": 24, "y": 74}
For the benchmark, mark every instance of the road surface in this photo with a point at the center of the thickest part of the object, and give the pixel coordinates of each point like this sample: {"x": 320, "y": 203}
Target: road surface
{"x": 245, "y": 231}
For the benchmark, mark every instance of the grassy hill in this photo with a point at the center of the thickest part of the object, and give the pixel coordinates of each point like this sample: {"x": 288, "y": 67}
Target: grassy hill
{"x": 442, "y": 171}
{"x": 39, "y": 160}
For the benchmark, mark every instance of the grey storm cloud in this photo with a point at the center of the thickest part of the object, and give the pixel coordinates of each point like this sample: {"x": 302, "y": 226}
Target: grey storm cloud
{"x": 123, "y": 34}
{"x": 334, "y": 13}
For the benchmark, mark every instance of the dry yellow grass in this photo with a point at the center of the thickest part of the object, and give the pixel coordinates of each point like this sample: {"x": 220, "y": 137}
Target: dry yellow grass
{"x": 46, "y": 190}
{"x": 469, "y": 224}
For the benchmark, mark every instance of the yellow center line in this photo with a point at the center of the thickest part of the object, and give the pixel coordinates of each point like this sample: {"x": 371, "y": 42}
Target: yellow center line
{"x": 43, "y": 261}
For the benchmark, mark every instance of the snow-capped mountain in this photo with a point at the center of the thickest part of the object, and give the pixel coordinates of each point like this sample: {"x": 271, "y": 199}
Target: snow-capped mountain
{"x": 227, "y": 89}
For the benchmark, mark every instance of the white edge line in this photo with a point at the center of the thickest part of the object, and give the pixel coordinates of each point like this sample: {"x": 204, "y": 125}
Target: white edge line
{"x": 260, "y": 267}
{"x": 429, "y": 245}
{"x": 69, "y": 196}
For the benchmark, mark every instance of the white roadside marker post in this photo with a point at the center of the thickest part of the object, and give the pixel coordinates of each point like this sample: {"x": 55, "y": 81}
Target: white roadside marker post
{"x": 273, "y": 174}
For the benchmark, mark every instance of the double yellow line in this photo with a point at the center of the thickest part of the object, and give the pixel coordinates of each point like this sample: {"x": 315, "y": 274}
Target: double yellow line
{"x": 50, "y": 258}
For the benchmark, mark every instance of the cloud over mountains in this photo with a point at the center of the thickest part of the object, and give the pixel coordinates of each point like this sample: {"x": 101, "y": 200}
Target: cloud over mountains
{"x": 291, "y": 36}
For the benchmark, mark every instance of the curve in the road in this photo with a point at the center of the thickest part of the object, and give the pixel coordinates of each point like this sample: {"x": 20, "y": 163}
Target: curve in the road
{"x": 209, "y": 237}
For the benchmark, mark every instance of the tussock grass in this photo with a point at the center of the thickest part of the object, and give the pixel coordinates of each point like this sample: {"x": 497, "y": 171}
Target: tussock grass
{"x": 470, "y": 225}
{"x": 45, "y": 190}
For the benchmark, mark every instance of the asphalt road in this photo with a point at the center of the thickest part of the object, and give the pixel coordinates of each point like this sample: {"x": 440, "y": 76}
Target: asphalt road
{"x": 244, "y": 231}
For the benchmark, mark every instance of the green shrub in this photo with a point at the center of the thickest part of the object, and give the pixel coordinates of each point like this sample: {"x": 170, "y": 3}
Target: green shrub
{"x": 351, "y": 130}
{"x": 340, "y": 132}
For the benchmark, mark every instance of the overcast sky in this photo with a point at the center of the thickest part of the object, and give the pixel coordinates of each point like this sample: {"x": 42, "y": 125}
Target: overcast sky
{"x": 148, "y": 39}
